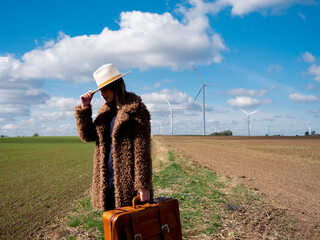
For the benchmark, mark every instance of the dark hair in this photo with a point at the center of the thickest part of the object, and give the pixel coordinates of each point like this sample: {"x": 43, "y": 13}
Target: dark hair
{"x": 118, "y": 88}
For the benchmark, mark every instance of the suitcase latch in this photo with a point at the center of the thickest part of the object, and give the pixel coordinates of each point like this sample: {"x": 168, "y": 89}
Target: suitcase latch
{"x": 138, "y": 237}
{"x": 165, "y": 228}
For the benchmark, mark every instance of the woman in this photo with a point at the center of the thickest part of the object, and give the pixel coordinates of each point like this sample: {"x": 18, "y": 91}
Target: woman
{"x": 122, "y": 158}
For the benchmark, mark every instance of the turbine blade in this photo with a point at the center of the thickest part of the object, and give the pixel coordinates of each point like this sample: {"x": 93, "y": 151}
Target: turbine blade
{"x": 197, "y": 95}
{"x": 197, "y": 74}
{"x": 168, "y": 102}
{"x": 179, "y": 107}
{"x": 254, "y": 112}
{"x": 243, "y": 111}
{"x": 167, "y": 116}
{"x": 220, "y": 85}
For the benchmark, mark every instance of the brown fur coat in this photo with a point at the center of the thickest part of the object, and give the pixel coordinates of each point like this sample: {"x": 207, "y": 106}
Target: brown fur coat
{"x": 131, "y": 149}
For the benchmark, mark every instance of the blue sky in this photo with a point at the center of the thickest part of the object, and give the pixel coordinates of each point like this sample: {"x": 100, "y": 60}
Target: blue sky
{"x": 264, "y": 54}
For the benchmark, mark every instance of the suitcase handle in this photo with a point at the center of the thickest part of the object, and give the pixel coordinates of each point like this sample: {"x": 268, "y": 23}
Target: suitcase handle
{"x": 137, "y": 199}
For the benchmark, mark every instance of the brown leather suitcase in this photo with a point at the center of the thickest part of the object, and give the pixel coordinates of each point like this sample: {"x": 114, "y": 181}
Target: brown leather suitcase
{"x": 154, "y": 221}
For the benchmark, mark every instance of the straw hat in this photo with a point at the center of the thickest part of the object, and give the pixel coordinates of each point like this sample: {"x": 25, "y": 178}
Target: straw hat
{"x": 106, "y": 74}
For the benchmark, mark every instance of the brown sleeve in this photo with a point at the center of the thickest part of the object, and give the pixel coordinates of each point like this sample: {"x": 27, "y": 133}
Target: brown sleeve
{"x": 142, "y": 150}
{"x": 85, "y": 127}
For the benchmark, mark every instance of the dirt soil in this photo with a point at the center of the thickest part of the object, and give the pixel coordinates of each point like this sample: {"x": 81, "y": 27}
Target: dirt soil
{"x": 284, "y": 170}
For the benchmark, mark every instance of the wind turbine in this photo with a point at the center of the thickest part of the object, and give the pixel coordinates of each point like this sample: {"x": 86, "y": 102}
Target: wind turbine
{"x": 160, "y": 124}
{"x": 171, "y": 111}
{"x": 309, "y": 129}
{"x": 203, "y": 99}
{"x": 248, "y": 114}
{"x": 160, "y": 127}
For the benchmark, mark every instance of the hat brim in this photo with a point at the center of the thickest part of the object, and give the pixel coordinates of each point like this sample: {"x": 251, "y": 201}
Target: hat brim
{"x": 107, "y": 83}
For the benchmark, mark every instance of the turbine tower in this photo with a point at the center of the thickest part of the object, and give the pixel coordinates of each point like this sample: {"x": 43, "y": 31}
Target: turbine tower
{"x": 248, "y": 118}
{"x": 203, "y": 99}
{"x": 171, "y": 111}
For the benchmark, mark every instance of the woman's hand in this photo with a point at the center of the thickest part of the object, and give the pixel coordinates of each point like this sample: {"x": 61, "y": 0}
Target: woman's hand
{"x": 144, "y": 195}
{"x": 86, "y": 98}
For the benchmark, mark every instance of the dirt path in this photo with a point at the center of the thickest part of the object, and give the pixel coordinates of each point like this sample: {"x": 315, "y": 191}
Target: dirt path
{"x": 286, "y": 171}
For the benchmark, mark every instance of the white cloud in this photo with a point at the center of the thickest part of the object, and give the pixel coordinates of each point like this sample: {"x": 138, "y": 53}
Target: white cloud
{"x": 303, "y": 98}
{"x": 47, "y": 118}
{"x": 308, "y": 57}
{"x": 8, "y": 67}
{"x": 23, "y": 97}
{"x": 67, "y": 129}
{"x": 17, "y": 102}
{"x": 247, "y": 102}
{"x": 144, "y": 40}
{"x": 247, "y": 6}
{"x": 61, "y": 103}
{"x": 315, "y": 70}
{"x": 247, "y": 92}
{"x": 56, "y": 116}
{"x": 156, "y": 101}
{"x": 10, "y": 110}
{"x": 17, "y": 96}
{"x": 10, "y": 126}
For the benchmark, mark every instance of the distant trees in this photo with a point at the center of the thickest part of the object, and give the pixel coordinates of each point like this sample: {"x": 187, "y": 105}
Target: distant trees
{"x": 224, "y": 133}
{"x": 35, "y": 135}
{"x": 313, "y": 133}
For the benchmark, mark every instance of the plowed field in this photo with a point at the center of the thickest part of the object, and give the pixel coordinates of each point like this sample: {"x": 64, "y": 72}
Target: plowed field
{"x": 285, "y": 170}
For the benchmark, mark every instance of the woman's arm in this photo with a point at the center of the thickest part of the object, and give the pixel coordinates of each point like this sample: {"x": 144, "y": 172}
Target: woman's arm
{"x": 142, "y": 153}
{"x": 83, "y": 114}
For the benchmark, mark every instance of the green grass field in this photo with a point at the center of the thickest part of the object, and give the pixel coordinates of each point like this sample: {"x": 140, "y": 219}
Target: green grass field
{"x": 40, "y": 179}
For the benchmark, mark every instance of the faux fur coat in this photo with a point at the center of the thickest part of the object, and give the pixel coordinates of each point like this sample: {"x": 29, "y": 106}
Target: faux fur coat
{"x": 131, "y": 149}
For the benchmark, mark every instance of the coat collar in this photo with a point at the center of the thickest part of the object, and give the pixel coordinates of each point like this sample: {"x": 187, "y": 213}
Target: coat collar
{"x": 130, "y": 105}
